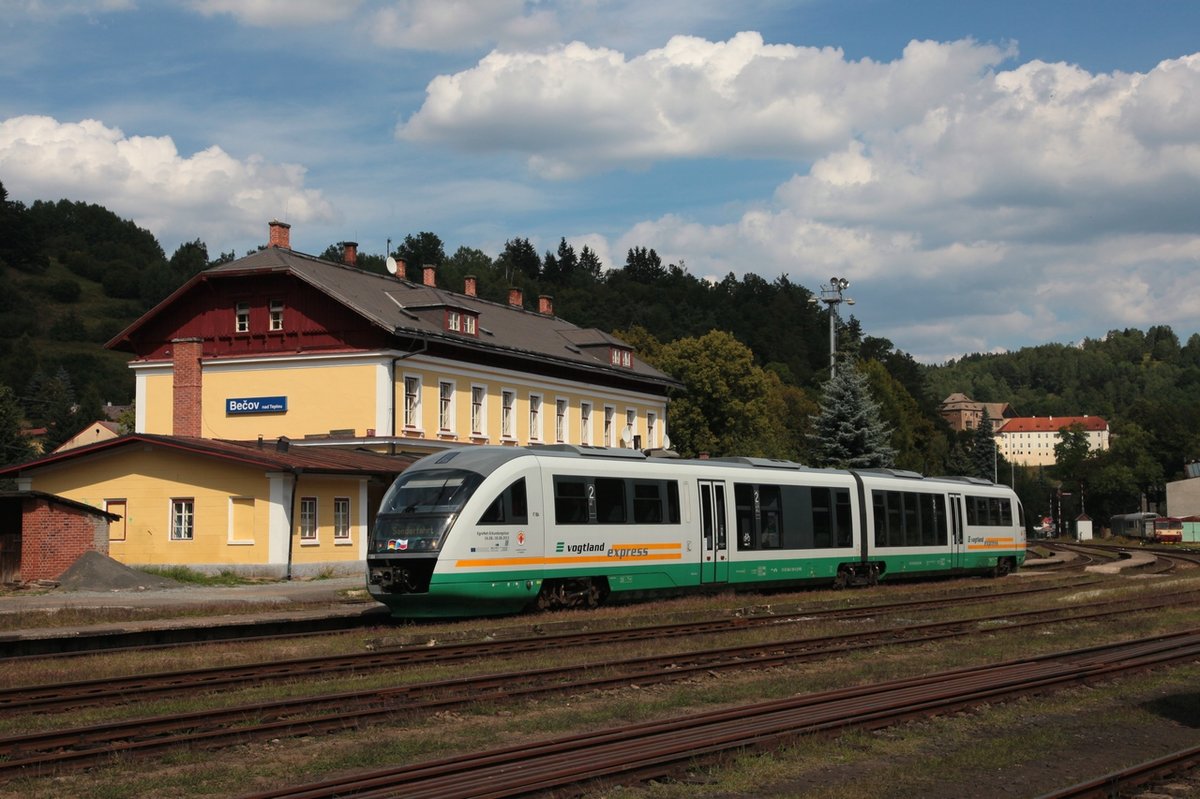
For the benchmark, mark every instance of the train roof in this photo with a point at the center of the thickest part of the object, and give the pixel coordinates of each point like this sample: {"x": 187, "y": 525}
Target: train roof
{"x": 486, "y": 459}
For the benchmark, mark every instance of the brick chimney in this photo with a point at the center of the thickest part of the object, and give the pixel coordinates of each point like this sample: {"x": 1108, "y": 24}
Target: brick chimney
{"x": 546, "y": 304}
{"x": 401, "y": 269}
{"x": 187, "y": 386}
{"x": 350, "y": 253}
{"x": 515, "y": 298}
{"x": 429, "y": 275}
{"x": 469, "y": 283}
{"x": 280, "y": 235}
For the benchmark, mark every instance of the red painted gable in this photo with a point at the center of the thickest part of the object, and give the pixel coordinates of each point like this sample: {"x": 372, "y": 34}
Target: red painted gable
{"x": 312, "y": 321}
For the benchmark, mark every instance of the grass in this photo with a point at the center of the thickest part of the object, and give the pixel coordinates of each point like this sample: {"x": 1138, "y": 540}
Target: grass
{"x": 182, "y": 574}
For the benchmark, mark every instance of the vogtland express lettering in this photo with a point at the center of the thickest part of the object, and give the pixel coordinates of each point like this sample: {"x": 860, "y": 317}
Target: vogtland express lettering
{"x": 614, "y": 552}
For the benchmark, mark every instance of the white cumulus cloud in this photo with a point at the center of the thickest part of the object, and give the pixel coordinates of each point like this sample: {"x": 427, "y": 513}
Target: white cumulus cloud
{"x": 210, "y": 194}
{"x": 1039, "y": 195}
{"x": 576, "y": 108}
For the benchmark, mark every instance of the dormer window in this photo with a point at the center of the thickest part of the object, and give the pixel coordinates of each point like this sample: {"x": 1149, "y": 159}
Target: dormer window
{"x": 461, "y": 321}
{"x": 241, "y": 322}
{"x": 619, "y": 356}
{"x": 276, "y": 315}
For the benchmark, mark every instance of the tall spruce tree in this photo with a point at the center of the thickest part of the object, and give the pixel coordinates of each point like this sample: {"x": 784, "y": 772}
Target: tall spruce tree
{"x": 849, "y": 433}
{"x": 983, "y": 449}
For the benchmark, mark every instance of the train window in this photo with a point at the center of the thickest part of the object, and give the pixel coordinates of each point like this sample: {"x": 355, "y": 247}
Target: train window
{"x": 770, "y": 517}
{"x": 1004, "y": 513}
{"x": 912, "y": 519}
{"x": 615, "y": 500}
{"x": 822, "y": 517}
{"x": 508, "y": 508}
{"x": 791, "y": 517}
{"x": 908, "y": 518}
{"x": 570, "y": 500}
{"x": 672, "y": 502}
{"x": 431, "y": 491}
{"x": 935, "y": 527}
{"x": 845, "y": 526}
{"x": 743, "y": 501}
{"x": 647, "y": 503}
{"x": 610, "y": 500}
{"x": 995, "y": 511}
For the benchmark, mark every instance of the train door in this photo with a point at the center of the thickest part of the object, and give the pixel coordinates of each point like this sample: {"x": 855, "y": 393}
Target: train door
{"x": 714, "y": 567}
{"x": 956, "y": 531}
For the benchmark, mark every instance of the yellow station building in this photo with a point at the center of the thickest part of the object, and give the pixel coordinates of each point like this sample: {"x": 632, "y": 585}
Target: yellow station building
{"x": 254, "y": 370}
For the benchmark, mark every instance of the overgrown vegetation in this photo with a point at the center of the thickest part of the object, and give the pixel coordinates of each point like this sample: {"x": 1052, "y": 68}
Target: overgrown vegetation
{"x": 182, "y": 574}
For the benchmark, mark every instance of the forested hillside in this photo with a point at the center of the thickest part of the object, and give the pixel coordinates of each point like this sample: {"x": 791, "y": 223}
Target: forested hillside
{"x": 752, "y": 352}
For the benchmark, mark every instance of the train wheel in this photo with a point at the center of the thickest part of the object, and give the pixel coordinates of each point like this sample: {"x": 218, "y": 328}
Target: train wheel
{"x": 1002, "y": 568}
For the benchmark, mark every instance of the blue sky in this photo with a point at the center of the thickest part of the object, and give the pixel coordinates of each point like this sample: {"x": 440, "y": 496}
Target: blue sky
{"x": 988, "y": 175}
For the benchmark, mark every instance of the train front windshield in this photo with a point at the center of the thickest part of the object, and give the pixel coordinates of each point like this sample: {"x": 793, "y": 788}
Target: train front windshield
{"x": 419, "y": 508}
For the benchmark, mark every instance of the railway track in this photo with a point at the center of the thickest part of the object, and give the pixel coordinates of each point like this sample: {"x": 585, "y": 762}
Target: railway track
{"x": 140, "y": 687}
{"x": 1119, "y": 782}
{"x": 86, "y": 746}
{"x": 657, "y": 749}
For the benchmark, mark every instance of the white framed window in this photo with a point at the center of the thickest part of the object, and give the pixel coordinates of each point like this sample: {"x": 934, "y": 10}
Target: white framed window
{"x": 412, "y": 402}
{"x": 453, "y": 321}
{"x": 631, "y": 423}
{"x": 610, "y": 434}
{"x": 276, "y": 314}
{"x": 469, "y": 325}
{"x": 508, "y": 403}
{"x": 308, "y": 519}
{"x": 585, "y": 423}
{"x": 183, "y": 519}
{"x": 535, "y": 417}
{"x": 651, "y": 430}
{"x": 341, "y": 518}
{"x": 626, "y": 359}
{"x": 445, "y": 405}
{"x": 614, "y": 356}
{"x": 560, "y": 420}
{"x": 241, "y": 323}
{"x": 478, "y": 410}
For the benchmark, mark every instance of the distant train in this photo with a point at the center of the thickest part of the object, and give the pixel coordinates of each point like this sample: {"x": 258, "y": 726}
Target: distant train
{"x": 492, "y": 530}
{"x": 1149, "y": 527}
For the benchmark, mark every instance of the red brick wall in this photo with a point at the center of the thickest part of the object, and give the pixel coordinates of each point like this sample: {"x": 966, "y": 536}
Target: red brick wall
{"x": 185, "y": 415}
{"x": 54, "y": 536}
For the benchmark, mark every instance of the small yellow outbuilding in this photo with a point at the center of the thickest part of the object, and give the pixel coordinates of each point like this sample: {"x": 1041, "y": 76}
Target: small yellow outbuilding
{"x": 275, "y": 508}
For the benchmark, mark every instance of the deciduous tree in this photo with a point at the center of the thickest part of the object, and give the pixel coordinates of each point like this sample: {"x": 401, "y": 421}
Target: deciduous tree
{"x": 728, "y": 406}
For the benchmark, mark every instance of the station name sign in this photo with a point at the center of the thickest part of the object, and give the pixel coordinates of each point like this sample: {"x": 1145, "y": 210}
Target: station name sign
{"x": 240, "y": 405}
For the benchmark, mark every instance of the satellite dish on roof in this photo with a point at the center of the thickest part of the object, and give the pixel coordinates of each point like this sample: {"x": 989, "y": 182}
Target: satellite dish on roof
{"x": 666, "y": 441}
{"x": 391, "y": 265}
{"x": 627, "y": 435}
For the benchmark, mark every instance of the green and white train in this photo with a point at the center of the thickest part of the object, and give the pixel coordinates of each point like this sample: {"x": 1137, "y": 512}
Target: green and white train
{"x": 491, "y": 530}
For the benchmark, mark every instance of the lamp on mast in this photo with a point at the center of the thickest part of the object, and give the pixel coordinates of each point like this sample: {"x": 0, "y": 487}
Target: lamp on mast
{"x": 832, "y": 295}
